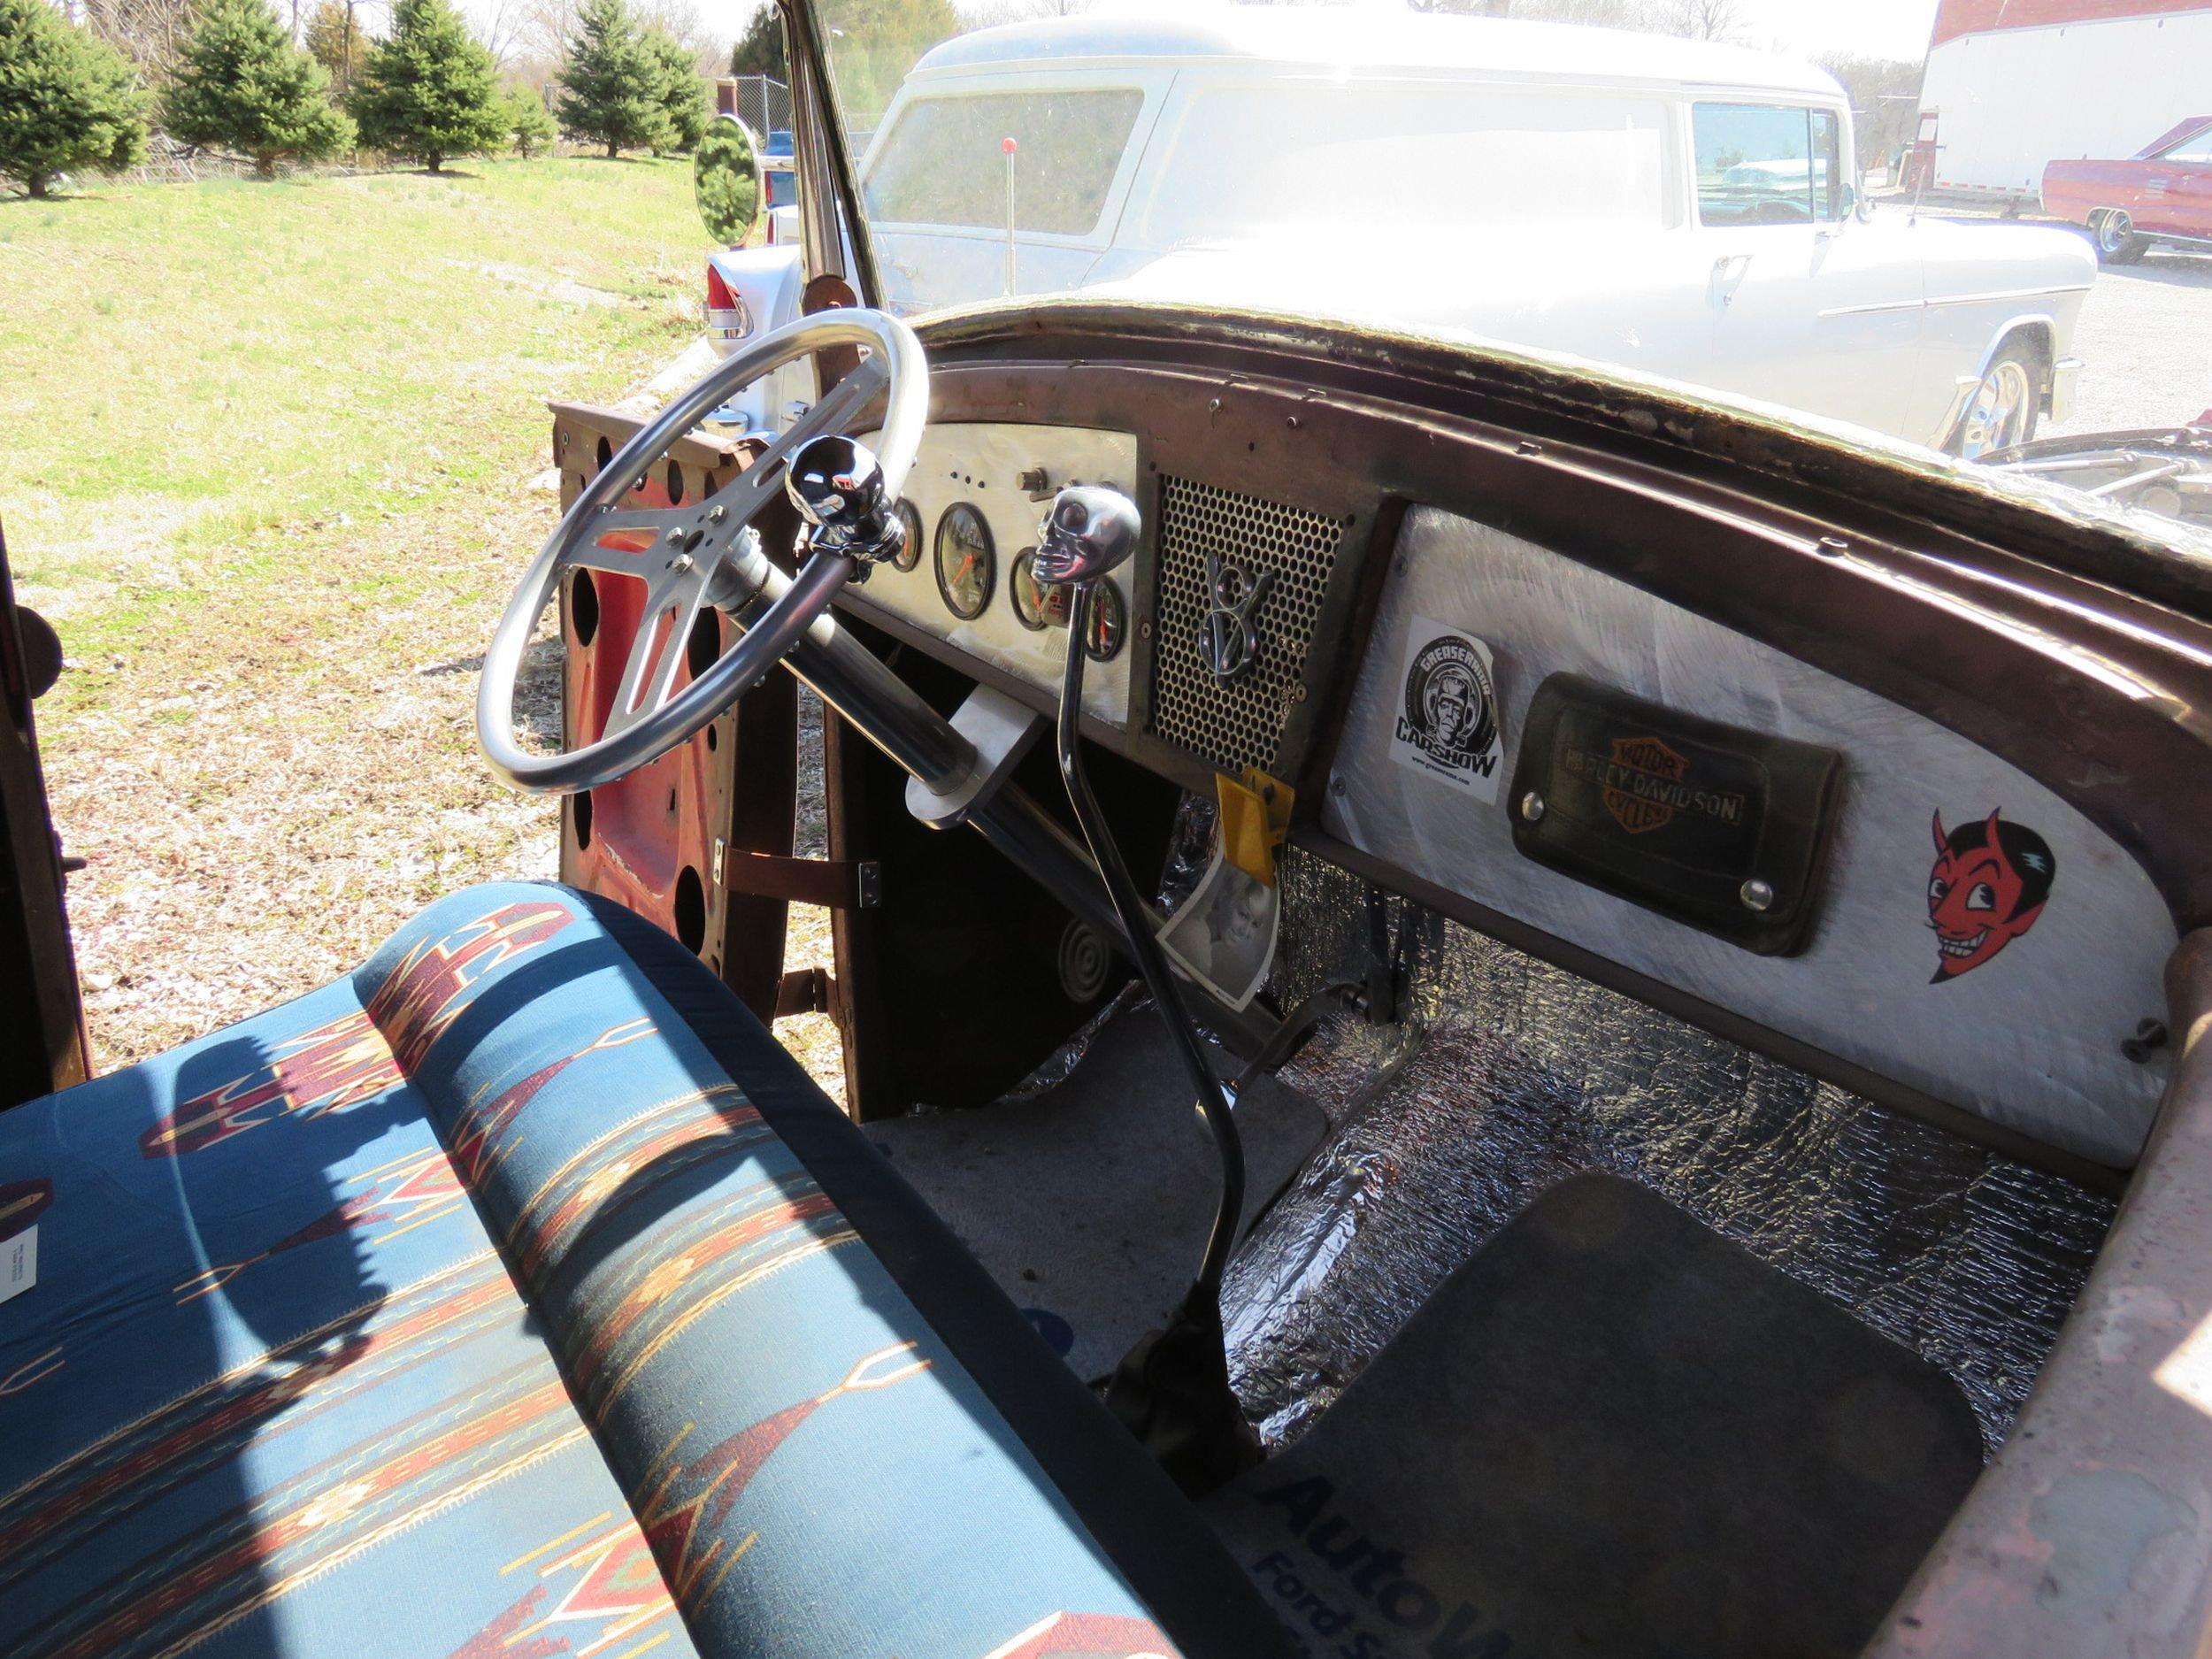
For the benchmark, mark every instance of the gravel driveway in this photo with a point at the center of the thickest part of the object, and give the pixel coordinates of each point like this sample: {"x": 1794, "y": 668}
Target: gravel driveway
{"x": 2145, "y": 345}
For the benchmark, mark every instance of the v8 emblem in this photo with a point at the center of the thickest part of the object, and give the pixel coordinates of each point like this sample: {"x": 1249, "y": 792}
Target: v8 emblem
{"x": 1229, "y": 638}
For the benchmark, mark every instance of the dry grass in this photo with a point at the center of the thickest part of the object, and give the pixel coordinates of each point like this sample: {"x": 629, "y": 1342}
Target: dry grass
{"x": 276, "y": 453}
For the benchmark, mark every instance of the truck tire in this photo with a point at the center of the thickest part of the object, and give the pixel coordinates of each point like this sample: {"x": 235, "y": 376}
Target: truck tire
{"x": 2114, "y": 232}
{"x": 2005, "y": 406}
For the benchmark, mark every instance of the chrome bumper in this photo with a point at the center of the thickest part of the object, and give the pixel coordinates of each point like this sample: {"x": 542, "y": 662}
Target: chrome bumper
{"x": 2064, "y": 375}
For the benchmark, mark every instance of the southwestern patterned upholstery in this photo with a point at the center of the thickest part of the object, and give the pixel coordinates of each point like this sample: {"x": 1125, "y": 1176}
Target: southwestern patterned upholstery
{"x": 519, "y": 1297}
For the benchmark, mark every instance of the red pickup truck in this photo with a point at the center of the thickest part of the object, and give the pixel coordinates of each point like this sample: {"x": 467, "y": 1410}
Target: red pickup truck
{"x": 2161, "y": 194}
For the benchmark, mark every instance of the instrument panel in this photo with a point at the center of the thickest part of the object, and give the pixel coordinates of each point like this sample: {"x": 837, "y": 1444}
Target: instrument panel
{"x": 973, "y": 500}
{"x": 1390, "y": 608}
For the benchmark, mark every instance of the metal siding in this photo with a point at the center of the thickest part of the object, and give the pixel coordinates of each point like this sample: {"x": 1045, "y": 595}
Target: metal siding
{"x": 1958, "y": 18}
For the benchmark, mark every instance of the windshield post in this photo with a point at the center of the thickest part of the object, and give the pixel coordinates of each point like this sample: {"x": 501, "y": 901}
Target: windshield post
{"x": 833, "y": 230}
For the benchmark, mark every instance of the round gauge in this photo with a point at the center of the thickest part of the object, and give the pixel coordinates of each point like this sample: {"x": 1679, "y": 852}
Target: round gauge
{"x": 1037, "y": 605}
{"x": 911, "y": 525}
{"x": 1105, "y": 624}
{"x": 967, "y": 564}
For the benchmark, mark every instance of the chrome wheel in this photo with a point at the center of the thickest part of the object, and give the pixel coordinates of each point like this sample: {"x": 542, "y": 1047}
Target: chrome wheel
{"x": 2116, "y": 241}
{"x": 2000, "y": 413}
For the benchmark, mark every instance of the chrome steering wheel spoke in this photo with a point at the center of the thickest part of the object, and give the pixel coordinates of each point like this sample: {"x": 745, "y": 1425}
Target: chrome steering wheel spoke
{"x": 674, "y": 596}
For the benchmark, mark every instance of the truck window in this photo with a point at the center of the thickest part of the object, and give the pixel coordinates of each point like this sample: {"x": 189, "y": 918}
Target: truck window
{"x": 943, "y": 162}
{"x": 1758, "y": 164}
{"x": 1401, "y": 158}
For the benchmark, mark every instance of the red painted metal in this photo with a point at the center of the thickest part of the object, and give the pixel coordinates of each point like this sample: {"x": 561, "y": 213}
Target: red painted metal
{"x": 648, "y": 827}
{"x": 1957, "y": 18}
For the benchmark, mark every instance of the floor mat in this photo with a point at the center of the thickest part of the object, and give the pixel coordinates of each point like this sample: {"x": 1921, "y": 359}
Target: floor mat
{"x": 1090, "y": 1202}
{"x": 1612, "y": 1434}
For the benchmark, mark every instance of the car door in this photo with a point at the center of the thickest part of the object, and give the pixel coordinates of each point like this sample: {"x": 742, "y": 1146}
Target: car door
{"x": 2185, "y": 199}
{"x": 1807, "y": 304}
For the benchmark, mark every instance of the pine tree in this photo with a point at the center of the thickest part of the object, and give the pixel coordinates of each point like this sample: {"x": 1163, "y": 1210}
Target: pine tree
{"x": 429, "y": 90}
{"x": 67, "y": 100}
{"x": 726, "y": 181}
{"x": 242, "y": 84}
{"x": 529, "y": 128}
{"x": 759, "y": 50}
{"x": 612, "y": 91}
{"x": 683, "y": 95}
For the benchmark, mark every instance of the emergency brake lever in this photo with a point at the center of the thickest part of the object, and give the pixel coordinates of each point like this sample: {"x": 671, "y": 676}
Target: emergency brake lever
{"x": 1172, "y": 1389}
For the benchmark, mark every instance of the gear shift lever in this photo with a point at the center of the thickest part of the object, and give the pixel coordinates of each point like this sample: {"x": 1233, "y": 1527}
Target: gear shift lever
{"x": 1172, "y": 1391}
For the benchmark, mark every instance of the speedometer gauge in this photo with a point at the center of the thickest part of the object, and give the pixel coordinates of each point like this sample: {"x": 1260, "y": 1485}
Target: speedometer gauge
{"x": 909, "y": 553}
{"x": 967, "y": 564}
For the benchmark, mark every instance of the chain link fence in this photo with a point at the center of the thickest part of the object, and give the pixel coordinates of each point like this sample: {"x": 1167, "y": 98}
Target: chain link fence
{"x": 761, "y": 102}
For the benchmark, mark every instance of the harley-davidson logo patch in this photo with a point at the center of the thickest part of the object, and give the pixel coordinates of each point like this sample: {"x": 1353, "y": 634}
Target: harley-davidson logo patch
{"x": 1644, "y": 784}
{"x": 1636, "y": 792}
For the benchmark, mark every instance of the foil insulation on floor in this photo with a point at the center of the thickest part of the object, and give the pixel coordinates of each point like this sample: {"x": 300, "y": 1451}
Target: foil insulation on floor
{"x": 1506, "y": 1074}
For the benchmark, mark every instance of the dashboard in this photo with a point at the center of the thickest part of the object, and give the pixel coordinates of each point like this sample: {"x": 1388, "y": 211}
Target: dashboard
{"x": 972, "y": 504}
{"x": 1509, "y": 721}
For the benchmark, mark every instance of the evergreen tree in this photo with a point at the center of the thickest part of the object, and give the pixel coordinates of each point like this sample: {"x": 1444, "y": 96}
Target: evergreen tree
{"x": 65, "y": 99}
{"x": 242, "y": 84}
{"x": 429, "y": 90}
{"x": 529, "y": 128}
{"x": 872, "y": 44}
{"x": 759, "y": 49}
{"x": 335, "y": 39}
{"x": 683, "y": 95}
{"x": 612, "y": 89}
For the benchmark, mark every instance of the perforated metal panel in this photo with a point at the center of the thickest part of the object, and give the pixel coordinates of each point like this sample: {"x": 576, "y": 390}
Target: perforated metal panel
{"x": 1235, "y": 723}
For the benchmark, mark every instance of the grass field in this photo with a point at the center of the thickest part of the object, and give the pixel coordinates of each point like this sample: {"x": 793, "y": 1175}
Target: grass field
{"x": 274, "y": 455}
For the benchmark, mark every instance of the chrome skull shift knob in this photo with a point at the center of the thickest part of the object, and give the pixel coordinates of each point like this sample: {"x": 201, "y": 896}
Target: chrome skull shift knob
{"x": 837, "y": 487}
{"x": 1090, "y": 530}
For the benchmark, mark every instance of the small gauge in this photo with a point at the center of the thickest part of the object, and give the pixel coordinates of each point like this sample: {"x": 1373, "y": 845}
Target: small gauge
{"x": 1105, "y": 624}
{"x": 911, "y": 525}
{"x": 1037, "y": 605}
{"x": 967, "y": 565}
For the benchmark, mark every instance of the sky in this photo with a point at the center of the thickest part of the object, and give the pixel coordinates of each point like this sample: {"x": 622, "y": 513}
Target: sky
{"x": 1871, "y": 28}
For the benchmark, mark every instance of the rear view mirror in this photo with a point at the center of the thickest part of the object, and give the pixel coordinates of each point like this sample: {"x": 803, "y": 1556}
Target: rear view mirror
{"x": 726, "y": 180}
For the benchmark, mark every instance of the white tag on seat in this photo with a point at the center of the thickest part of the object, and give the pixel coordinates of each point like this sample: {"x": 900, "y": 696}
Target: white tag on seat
{"x": 19, "y": 1264}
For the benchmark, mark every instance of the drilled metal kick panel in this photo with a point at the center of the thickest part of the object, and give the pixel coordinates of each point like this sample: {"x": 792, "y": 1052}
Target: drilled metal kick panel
{"x": 1234, "y": 722}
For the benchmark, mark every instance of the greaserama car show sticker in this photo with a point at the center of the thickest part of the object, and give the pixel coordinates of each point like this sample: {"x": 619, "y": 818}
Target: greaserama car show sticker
{"x": 1986, "y": 886}
{"x": 1448, "y": 723}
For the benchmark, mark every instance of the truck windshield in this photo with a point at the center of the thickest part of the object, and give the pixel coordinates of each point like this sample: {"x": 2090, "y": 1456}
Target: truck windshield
{"x": 943, "y": 159}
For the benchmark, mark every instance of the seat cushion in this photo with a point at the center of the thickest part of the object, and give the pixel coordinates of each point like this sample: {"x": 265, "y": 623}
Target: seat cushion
{"x": 519, "y": 1296}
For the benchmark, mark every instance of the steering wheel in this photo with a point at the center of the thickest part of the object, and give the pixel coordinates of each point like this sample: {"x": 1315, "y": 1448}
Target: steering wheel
{"x": 704, "y": 552}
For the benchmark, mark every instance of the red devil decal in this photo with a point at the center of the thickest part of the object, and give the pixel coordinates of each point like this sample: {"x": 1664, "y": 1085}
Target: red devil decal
{"x": 1986, "y": 890}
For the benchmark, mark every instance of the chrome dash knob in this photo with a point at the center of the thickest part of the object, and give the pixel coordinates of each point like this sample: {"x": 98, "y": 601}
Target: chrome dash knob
{"x": 836, "y": 486}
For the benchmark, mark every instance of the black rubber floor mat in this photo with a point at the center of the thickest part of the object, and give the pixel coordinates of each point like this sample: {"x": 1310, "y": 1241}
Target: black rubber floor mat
{"x": 1612, "y": 1434}
{"x": 1090, "y": 1204}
